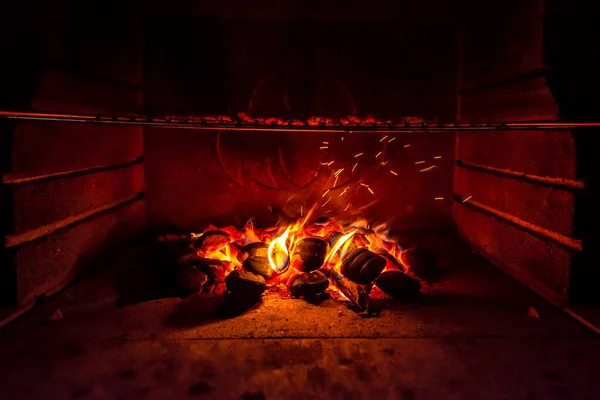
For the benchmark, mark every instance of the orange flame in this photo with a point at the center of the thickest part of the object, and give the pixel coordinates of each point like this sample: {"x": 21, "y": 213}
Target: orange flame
{"x": 341, "y": 241}
{"x": 279, "y": 245}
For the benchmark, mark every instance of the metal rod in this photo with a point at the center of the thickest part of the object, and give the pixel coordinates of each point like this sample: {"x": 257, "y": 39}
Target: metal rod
{"x": 19, "y": 179}
{"x": 565, "y": 241}
{"x": 542, "y": 180}
{"x": 45, "y": 230}
{"x": 202, "y": 124}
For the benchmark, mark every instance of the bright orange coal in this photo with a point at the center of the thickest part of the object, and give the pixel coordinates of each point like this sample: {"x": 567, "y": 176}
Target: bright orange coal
{"x": 282, "y": 245}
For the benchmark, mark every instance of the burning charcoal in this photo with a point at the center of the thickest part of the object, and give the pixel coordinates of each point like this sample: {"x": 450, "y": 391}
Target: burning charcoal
{"x": 392, "y": 263}
{"x": 212, "y": 241}
{"x": 353, "y": 292}
{"x": 189, "y": 279}
{"x": 309, "y": 284}
{"x": 190, "y": 257}
{"x": 245, "y": 284}
{"x": 309, "y": 254}
{"x": 259, "y": 265}
{"x": 169, "y": 247}
{"x": 215, "y": 271}
{"x": 398, "y": 285}
{"x": 253, "y": 249}
{"x": 362, "y": 266}
{"x": 419, "y": 262}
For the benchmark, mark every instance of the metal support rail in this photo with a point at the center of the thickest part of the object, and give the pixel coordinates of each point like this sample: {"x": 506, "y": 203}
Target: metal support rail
{"x": 570, "y": 243}
{"x": 292, "y": 126}
{"x": 562, "y": 183}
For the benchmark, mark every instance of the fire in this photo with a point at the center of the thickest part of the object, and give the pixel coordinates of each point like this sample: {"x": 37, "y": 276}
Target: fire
{"x": 278, "y": 253}
{"x": 336, "y": 252}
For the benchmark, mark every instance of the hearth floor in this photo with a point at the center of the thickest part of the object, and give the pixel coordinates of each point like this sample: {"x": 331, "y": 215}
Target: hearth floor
{"x": 471, "y": 336}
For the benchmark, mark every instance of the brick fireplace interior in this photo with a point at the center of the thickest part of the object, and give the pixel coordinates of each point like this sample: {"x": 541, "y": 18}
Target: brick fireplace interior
{"x": 507, "y": 214}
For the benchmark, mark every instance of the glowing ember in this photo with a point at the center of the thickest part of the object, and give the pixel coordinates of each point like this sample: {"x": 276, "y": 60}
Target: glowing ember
{"x": 305, "y": 258}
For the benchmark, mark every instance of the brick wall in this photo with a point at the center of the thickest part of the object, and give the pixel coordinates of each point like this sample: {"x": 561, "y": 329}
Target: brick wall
{"x": 505, "y": 78}
{"x": 70, "y": 191}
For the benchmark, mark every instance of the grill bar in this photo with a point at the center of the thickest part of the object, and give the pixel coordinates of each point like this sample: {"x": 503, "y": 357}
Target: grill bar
{"x": 215, "y": 124}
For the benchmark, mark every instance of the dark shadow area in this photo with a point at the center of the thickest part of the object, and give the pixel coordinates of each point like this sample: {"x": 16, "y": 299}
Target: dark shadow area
{"x": 200, "y": 309}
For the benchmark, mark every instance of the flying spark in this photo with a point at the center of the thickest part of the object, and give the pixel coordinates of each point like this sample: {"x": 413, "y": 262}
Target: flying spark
{"x": 420, "y": 162}
{"x": 371, "y": 190}
{"x": 358, "y": 155}
{"x": 383, "y": 138}
{"x": 385, "y": 162}
{"x": 335, "y": 181}
{"x": 329, "y": 163}
{"x": 378, "y": 154}
{"x": 465, "y": 200}
{"x": 392, "y": 139}
{"x": 364, "y": 184}
{"x": 428, "y": 168}
{"x": 339, "y": 171}
{"x": 325, "y": 194}
{"x": 323, "y": 205}
{"x": 325, "y": 142}
{"x": 328, "y": 211}
{"x": 347, "y": 206}
{"x": 437, "y": 157}
{"x": 394, "y": 173}
{"x": 439, "y": 198}
{"x": 406, "y": 145}
{"x": 324, "y": 147}
{"x": 355, "y": 165}
{"x": 301, "y": 211}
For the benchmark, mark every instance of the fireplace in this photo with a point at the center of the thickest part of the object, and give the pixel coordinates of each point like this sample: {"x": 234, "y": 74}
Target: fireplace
{"x": 297, "y": 171}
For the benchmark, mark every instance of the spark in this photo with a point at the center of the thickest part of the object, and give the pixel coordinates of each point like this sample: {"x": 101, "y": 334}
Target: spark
{"x": 329, "y": 164}
{"x": 358, "y": 155}
{"x": 439, "y": 198}
{"x": 347, "y": 206}
{"x": 406, "y": 145}
{"x": 371, "y": 190}
{"x": 328, "y": 211}
{"x": 378, "y": 154}
{"x": 324, "y": 163}
{"x": 342, "y": 139}
{"x": 339, "y": 171}
{"x": 324, "y": 147}
{"x": 437, "y": 157}
{"x": 301, "y": 211}
{"x": 428, "y": 168}
{"x": 393, "y": 173}
{"x": 385, "y": 162}
{"x": 392, "y": 139}
{"x": 323, "y": 205}
{"x": 325, "y": 142}
{"x": 364, "y": 184}
{"x": 335, "y": 181}
{"x": 369, "y": 205}
{"x": 355, "y": 165}
{"x": 420, "y": 162}
{"x": 325, "y": 194}
{"x": 383, "y": 138}
{"x": 465, "y": 200}
{"x": 344, "y": 191}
